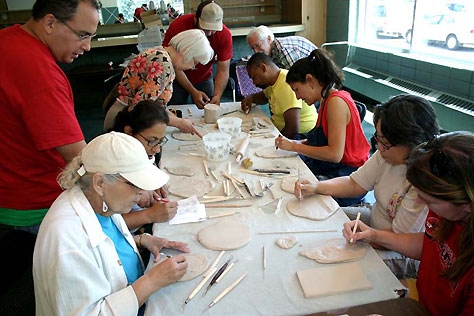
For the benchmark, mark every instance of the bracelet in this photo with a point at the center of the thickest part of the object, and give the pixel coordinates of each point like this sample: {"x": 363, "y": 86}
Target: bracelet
{"x": 139, "y": 240}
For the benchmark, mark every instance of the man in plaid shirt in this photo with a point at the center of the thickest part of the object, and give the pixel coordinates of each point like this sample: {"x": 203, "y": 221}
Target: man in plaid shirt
{"x": 284, "y": 51}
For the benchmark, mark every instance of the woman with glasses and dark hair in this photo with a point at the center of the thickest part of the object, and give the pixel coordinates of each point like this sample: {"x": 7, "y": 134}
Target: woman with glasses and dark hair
{"x": 401, "y": 124}
{"x": 336, "y": 146}
{"x": 146, "y": 121}
{"x": 442, "y": 173}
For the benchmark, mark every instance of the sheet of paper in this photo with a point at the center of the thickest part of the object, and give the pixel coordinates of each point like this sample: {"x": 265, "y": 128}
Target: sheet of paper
{"x": 189, "y": 211}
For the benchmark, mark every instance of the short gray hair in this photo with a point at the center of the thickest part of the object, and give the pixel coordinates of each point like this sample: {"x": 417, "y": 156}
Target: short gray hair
{"x": 193, "y": 44}
{"x": 262, "y": 32}
{"x": 70, "y": 176}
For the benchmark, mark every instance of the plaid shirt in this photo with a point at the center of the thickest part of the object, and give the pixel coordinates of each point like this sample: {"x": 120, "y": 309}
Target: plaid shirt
{"x": 287, "y": 50}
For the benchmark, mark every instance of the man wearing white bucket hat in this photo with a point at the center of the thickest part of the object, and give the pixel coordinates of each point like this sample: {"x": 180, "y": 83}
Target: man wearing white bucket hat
{"x": 85, "y": 258}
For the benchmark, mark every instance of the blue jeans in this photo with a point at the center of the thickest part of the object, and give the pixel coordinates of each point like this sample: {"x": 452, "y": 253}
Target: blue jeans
{"x": 181, "y": 96}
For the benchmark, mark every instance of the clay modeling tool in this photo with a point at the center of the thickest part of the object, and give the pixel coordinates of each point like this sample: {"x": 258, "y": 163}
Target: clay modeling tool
{"x": 300, "y": 231}
{"x": 264, "y": 260}
{"x": 262, "y": 170}
{"x": 299, "y": 181}
{"x": 218, "y": 274}
{"x": 214, "y": 263}
{"x": 355, "y": 226}
{"x": 225, "y": 271}
{"x": 200, "y": 285}
{"x": 227, "y": 290}
{"x": 206, "y": 169}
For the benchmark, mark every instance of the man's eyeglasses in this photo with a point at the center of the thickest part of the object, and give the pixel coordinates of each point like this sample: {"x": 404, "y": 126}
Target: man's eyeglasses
{"x": 82, "y": 37}
{"x": 154, "y": 142}
{"x": 379, "y": 141}
{"x": 125, "y": 181}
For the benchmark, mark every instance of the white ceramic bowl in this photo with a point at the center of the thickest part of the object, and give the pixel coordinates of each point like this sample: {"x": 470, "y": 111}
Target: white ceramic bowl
{"x": 217, "y": 146}
{"x": 230, "y": 125}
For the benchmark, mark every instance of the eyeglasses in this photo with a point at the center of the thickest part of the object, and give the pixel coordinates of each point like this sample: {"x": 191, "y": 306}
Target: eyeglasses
{"x": 379, "y": 141}
{"x": 125, "y": 181}
{"x": 257, "y": 45}
{"x": 155, "y": 141}
{"x": 82, "y": 37}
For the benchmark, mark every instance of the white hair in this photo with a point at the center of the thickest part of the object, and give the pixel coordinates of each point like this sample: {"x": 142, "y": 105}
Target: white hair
{"x": 262, "y": 32}
{"x": 193, "y": 44}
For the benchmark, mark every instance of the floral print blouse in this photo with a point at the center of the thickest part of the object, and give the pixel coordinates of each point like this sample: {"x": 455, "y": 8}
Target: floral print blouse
{"x": 149, "y": 75}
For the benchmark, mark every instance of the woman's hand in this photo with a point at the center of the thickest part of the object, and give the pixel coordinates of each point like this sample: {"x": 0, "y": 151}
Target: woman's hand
{"x": 162, "y": 211}
{"x": 186, "y": 126}
{"x": 168, "y": 271}
{"x": 163, "y": 192}
{"x": 364, "y": 232}
{"x": 304, "y": 188}
{"x": 281, "y": 142}
{"x": 148, "y": 198}
{"x": 155, "y": 244}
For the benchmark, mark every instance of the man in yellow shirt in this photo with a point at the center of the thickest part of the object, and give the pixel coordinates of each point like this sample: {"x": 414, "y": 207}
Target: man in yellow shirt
{"x": 290, "y": 115}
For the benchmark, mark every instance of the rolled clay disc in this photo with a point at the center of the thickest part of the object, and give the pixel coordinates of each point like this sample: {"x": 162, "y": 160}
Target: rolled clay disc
{"x": 197, "y": 264}
{"x": 288, "y": 184}
{"x": 180, "y": 171}
{"x": 225, "y": 235}
{"x": 189, "y": 137}
{"x": 336, "y": 250}
{"x": 272, "y": 153}
{"x": 186, "y": 187}
{"x": 316, "y": 207}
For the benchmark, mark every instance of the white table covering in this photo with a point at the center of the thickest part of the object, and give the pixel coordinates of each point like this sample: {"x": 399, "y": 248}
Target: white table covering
{"x": 275, "y": 290}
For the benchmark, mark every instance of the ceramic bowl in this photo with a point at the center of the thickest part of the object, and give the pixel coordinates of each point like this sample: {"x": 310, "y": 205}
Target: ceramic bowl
{"x": 230, "y": 125}
{"x": 217, "y": 146}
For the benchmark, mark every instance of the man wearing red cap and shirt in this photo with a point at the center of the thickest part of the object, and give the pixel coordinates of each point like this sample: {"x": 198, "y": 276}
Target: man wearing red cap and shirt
{"x": 198, "y": 82}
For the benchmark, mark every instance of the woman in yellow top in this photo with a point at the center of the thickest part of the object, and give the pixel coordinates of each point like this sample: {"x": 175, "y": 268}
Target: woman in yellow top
{"x": 290, "y": 115}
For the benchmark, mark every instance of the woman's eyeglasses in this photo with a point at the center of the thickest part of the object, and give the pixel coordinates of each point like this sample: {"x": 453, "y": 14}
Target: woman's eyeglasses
{"x": 379, "y": 141}
{"x": 155, "y": 141}
{"x": 125, "y": 181}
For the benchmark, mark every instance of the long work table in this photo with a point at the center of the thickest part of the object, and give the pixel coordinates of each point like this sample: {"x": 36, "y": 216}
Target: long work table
{"x": 271, "y": 285}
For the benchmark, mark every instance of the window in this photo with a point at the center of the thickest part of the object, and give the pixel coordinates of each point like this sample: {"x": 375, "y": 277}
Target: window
{"x": 438, "y": 31}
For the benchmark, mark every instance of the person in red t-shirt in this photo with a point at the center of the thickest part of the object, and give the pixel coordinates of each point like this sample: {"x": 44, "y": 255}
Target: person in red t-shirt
{"x": 199, "y": 82}
{"x": 40, "y": 132}
{"x": 442, "y": 172}
{"x": 39, "y": 128}
{"x": 138, "y": 12}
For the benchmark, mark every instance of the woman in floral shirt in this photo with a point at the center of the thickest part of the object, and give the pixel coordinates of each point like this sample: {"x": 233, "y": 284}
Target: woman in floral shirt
{"x": 150, "y": 75}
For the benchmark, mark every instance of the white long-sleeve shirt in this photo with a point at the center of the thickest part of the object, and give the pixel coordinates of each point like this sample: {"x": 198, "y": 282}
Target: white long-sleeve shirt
{"x": 76, "y": 268}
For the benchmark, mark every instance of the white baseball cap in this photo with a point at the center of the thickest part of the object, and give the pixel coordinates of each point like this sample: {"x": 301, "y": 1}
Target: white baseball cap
{"x": 211, "y": 17}
{"x": 119, "y": 153}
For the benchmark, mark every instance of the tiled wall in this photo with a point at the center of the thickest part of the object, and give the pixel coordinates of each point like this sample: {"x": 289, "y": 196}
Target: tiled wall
{"x": 459, "y": 82}
{"x": 454, "y": 81}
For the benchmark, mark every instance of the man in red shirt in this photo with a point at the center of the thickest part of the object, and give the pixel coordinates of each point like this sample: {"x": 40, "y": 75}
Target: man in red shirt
{"x": 40, "y": 131}
{"x": 139, "y": 11}
{"x": 199, "y": 82}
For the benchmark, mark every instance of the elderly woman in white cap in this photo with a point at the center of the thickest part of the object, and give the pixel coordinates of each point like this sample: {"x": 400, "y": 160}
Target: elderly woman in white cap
{"x": 150, "y": 75}
{"x": 85, "y": 260}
